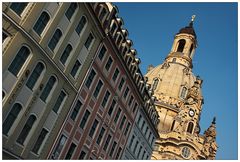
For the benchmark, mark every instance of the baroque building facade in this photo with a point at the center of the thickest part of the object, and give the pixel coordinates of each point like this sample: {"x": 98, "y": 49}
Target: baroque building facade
{"x": 179, "y": 103}
{"x": 72, "y": 87}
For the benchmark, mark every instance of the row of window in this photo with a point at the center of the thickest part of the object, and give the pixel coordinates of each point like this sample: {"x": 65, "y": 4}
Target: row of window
{"x": 145, "y": 129}
{"x": 139, "y": 153}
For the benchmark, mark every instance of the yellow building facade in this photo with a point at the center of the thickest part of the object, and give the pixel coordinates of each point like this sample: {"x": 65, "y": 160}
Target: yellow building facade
{"x": 179, "y": 103}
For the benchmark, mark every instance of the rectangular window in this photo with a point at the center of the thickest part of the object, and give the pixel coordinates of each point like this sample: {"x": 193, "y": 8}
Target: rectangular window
{"x": 121, "y": 84}
{"x": 139, "y": 119}
{"x": 40, "y": 140}
{"x": 111, "y": 107}
{"x": 82, "y": 155}
{"x": 81, "y": 25}
{"x": 107, "y": 142}
{"x": 105, "y": 99}
{"x": 135, "y": 107}
{"x": 84, "y": 119}
{"x": 59, "y": 102}
{"x": 75, "y": 68}
{"x": 139, "y": 151}
{"x": 135, "y": 147}
{"x": 118, "y": 153}
{"x": 131, "y": 142}
{"x": 100, "y": 136}
{"x": 112, "y": 149}
{"x": 144, "y": 152}
{"x": 109, "y": 63}
{"x": 70, "y": 151}
{"x": 18, "y": 7}
{"x": 130, "y": 101}
{"x": 76, "y": 110}
{"x": 90, "y": 78}
{"x": 66, "y": 54}
{"x": 94, "y": 127}
{"x": 102, "y": 53}
{"x": 70, "y": 11}
{"x": 126, "y": 93}
{"x": 115, "y": 75}
{"x": 48, "y": 88}
{"x": 58, "y": 149}
{"x": 98, "y": 88}
{"x": 150, "y": 134}
{"x": 146, "y": 131}
{"x": 122, "y": 122}
{"x": 89, "y": 41}
{"x": 117, "y": 115}
{"x": 127, "y": 128}
{"x": 143, "y": 124}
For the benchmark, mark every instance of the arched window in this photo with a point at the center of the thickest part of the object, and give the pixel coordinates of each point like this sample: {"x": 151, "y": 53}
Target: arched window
{"x": 190, "y": 127}
{"x": 81, "y": 25}
{"x": 18, "y": 7}
{"x": 102, "y": 14}
{"x": 70, "y": 11}
{"x": 41, "y": 23}
{"x": 26, "y": 129}
{"x": 181, "y": 45}
{"x": 35, "y": 75}
{"x": 155, "y": 83}
{"x": 55, "y": 39}
{"x": 19, "y": 60}
{"x": 173, "y": 123}
{"x": 65, "y": 54}
{"x": 190, "y": 52}
{"x": 113, "y": 28}
{"x": 48, "y": 88}
{"x": 174, "y": 60}
{"x": 183, "y": 92}
{"x": 12, "y": 116}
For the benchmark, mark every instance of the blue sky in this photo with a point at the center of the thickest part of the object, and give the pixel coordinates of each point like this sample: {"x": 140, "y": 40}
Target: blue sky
{"x": 152, "y": 27}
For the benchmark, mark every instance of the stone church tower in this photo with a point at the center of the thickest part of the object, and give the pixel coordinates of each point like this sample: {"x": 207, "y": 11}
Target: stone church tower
{"x": 179, "y": 103}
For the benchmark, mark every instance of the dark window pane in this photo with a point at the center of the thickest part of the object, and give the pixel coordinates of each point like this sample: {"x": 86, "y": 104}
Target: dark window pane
{"x": 100, "y": 136}
{"x": 70, "y": 11}
{"x": 19, "y": 60}
{"x": 7, "y": 124}
{"x": 108, "y": 64}
{"x": 98, "y": 88}
{"x": 65, "y": 54}
{"x": 102, "y": 52}
{"x": 81, "y": 25}
{"x": 40, "y": 140}
{"x": 70, "y": 151}
{"x": 84, "y": 119}
{"x": 26, "y": 129}
{"x": 35, "y": 75}
{"x": 41, "y": 23}
{"x": 76, "y": 110}
{"x": 93, "y": 129}
{"x": 75, "y": 68}
{"x": 55, "y": 39}
{"x": 90, "y": 78}
{"x": 48, "y": 88}
{"x": 18, "y": 7}
{"x": 59, "y": 101}
{"x": 89, "y": 41}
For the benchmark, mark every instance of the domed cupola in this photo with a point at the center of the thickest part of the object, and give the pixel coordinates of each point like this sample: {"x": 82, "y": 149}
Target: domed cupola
{"x": 189, "y": 29}
{"x": 184, "y": 45}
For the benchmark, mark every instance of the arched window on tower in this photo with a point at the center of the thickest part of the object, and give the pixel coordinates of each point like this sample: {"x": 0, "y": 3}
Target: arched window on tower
{"x": 155, "y": 83}
{"x": 181, "y": 45}
{"x": 190, "y": 127}
{"x": 173, "y": 123}
{"x": 190, "y": 51}
{"x": 183, "y": 92}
